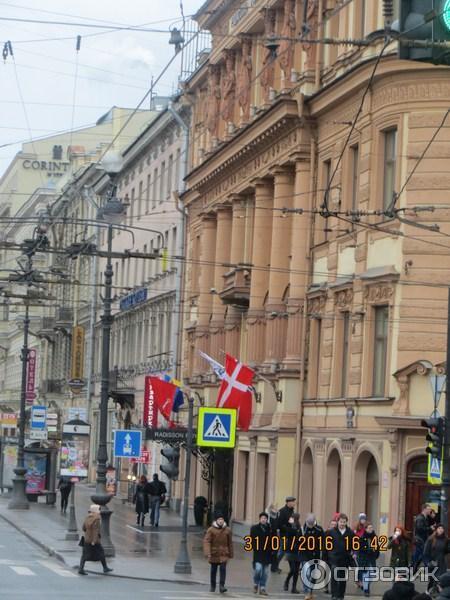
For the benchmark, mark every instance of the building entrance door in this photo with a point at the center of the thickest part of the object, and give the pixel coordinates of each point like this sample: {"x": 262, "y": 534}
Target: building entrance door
{"x": 418, "y": 490}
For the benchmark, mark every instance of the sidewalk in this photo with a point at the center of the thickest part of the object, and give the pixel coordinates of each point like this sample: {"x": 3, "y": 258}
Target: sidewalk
{"x": 146, "y": 555}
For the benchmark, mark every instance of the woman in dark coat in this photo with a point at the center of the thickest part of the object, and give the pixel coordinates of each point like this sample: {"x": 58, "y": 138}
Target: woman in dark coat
{"x": 399, "y": 544}
{"x": 291, "y": 541}
{"x": 435, "y": 552}
{"x": 367, "y": 557}
{"x": 92, "y": 548}
{"x": 141, "y": 500}
{"x": 65, "y": 487}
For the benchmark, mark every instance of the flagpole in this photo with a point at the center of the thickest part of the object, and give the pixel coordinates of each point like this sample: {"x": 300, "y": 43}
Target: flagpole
{"x": 183, "y": 562}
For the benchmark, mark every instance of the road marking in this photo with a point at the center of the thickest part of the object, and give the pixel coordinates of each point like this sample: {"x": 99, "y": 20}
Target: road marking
{"x": 56, "y": 568}
{"x": 23, "y": 571}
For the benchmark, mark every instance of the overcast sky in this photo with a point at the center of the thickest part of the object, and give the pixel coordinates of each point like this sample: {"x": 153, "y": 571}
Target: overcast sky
{"x": 114, "y": 68}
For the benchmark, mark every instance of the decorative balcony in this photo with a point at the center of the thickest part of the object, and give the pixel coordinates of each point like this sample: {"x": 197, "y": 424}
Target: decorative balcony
{"x": 64, "y": 318}
{"x": 52, "y": 386}
{"x": 236, "y": 289}
{"x": 122, "y": 387}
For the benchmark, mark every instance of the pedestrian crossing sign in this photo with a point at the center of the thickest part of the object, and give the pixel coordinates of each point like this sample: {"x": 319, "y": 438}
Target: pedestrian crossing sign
{"x": 216, "y": 427}
{"x": 434, "y": 470}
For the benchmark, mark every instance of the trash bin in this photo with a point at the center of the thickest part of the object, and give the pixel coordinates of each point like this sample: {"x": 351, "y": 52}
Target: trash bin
{"x": 200, "y": 504}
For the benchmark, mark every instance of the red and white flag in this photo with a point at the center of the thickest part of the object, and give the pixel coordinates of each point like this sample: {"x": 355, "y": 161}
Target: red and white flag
{"x": 235, "y": 390}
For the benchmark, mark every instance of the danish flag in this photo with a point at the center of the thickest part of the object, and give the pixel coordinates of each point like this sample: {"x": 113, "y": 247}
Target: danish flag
{"x": 235, "y": 390}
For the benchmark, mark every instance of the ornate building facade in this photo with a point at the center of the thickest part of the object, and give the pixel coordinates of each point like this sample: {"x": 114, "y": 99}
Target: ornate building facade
{"x": 342, "y": 314}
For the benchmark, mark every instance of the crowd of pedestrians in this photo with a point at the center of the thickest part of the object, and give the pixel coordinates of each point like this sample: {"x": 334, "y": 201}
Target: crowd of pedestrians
{"x": 282, "y": 534}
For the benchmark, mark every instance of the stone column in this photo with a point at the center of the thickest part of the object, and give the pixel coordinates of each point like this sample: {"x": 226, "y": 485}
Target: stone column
{"x": 347, "y": 478}
{"x": 298, "y": 277}
{"x": 319, "y": 487}
{"x": 279, "y": 265}
{"x": 206, "y": 282}
{"x": 223, "y": 245}
{"x": 262, "y": 237}
{"x": 237, "y": 229}
{"x": 272, "y": 469}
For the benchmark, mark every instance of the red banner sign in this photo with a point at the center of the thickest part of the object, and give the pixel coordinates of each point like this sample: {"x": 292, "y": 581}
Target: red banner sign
{"x": 150, "y": 418}
{"x": 144, "y": 458}
{"x": 31, "y": 376}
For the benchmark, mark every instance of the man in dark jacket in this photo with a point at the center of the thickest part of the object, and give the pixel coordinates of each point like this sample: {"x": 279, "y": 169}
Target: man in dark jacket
{"x": 340, "y": 556}
{"x": 444, "y": 586}
{"x": 401, "y": 590}
{"x": 157, "y": 490}
{"x": 422, "y": 530}
{"x": 314, "y": 550}
{"x": 261, "y": 540}
{"x": 284, "y": 514}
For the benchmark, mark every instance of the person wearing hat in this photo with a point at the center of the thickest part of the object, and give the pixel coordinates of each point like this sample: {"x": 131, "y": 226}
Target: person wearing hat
{"x": 261, "y": 542}
{"x": 284, "y": 514}
{"x": 435, "y": 553}
{"x": 218, "y": 549}
{"x": 92, "y": 548}
{"x": 444, "y": 586}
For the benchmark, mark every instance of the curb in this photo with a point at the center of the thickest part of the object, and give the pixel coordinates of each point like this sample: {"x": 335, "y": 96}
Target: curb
{"x": 52, "y": 552}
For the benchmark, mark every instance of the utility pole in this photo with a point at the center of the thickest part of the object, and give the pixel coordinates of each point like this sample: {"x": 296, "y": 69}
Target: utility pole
{"x": 446, "y": 456}
{"x": 183, "y": 563}
{"x": 19, "y": 500}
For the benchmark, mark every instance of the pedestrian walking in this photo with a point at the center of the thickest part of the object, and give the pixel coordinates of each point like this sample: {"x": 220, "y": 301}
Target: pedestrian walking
{"x": 359, "y": 529}
{"x": 398, "y": 543}
{"x": 361, "y": 524}
{"x": 261, "y": 539}
{"x": 435, "y": 553}
{"x": 444, "y": 586}
{"x": 340, "y": 556}
{"x": 331, "y": 525}
{"x": 92, "y": 548}
{"x": 367, "y": 557}
{"x": 314, "y": 550}
{"x": 64, "y": 487}
{"x": 141, "y": 500}
{"x": 422, "y": 530}
{"x": 273, "y": 513}
{"x": 218, "y": 549}
{"x": 157, "y": 490}
{"x": 284, "y": 514}
{"x": 291, "y": 544}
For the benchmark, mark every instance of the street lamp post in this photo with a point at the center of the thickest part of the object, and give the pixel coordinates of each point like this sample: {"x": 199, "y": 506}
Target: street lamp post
{"x": 183, "y": 563}
{"x": 19, "y": 500}
{"x": 101, "y": 497}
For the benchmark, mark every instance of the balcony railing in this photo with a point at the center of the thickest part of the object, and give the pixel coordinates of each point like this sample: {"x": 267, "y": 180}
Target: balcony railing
{"x": 236, "y": 289}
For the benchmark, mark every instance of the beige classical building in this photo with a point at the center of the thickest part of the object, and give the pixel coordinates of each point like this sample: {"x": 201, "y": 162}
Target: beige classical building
{"x": 344, "y": 318}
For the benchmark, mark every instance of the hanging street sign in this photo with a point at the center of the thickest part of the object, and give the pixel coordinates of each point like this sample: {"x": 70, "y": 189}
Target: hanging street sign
{"x": 166, "y": 435}
{"x": 38, "y": 417}
{"x": 216, "y": 427}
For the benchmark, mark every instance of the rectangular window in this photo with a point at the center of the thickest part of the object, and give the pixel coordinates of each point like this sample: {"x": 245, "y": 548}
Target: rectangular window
{"x": 326, "y": 178}
{"x": 147, "y": 191}
{"x": 345, "y": 352}
{"x": 162, "y": 181}
{"x": 152, "y": 262}
{"x": 170, "y": 176}
{"x": 154, "y": 187}
{"x": 132, "y": 207}
{"x": 174, "y": 248}
{"x": 177, "y": 169}
{"x": 144, "y": 266}
{"x": 390, "y": 164}
{"x": 141, "y": 199}
{"x": 381, "y": 314}
{"x": 354, "y": 155}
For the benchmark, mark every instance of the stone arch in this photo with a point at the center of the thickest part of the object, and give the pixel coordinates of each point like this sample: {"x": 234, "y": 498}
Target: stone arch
{"x": 306, "y": 481}
{"x": 366, "y": 486}
{"x": 333, "y": 478}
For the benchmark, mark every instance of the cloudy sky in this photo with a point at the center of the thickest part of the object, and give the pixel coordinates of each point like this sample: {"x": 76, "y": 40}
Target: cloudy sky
{"x": 114, "y": 67}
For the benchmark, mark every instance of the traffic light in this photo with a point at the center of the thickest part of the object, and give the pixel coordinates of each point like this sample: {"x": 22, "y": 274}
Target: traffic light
{"x": 424, "y": 21}
{"x": 172, "y": 468}
{"x": 435, "y": 435}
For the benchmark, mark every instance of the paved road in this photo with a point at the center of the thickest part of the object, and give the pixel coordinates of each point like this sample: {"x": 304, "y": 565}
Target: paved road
{"x": 27, "y": 572}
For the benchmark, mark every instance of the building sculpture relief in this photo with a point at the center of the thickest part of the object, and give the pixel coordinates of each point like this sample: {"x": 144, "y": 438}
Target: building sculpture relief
{"x": 213, "y": 101}
{"x": 228, "y": 88}
{"x": 244, "y": 78}
{"x": 267, "y": 77}
{"x": 312, "y": 22}
{"x": 287, "y": 46}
